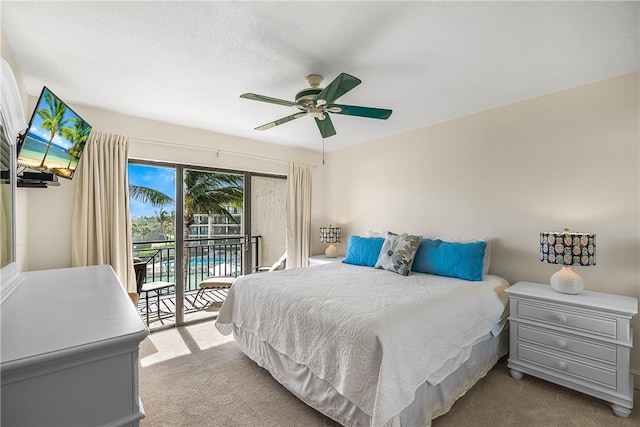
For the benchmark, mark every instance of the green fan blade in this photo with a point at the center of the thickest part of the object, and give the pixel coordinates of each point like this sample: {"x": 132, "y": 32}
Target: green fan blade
{"x": 281, "y": 121}
{"x": 326, "y": 127}
{"x": 354, "y": 110}
{"x": 268, "y": 99}
{"x": 338, "y": 87}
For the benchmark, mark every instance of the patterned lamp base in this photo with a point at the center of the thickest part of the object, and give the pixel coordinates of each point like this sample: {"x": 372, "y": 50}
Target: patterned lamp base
{"x": 567, "y": 281}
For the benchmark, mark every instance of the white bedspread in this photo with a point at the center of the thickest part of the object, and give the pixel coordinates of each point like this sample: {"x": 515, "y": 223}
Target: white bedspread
{"x": 374, "y": 335}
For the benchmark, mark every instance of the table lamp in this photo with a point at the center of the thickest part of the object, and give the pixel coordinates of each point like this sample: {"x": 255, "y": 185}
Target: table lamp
{"x": 330, "y": 235}
{"x": 567, "y": 248}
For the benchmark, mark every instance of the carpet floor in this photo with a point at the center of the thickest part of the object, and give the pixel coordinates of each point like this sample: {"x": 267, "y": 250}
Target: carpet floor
{"x": 193, "y": 376}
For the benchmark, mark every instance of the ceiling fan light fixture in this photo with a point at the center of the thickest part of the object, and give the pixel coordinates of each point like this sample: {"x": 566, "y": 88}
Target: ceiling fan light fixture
{"x": 316, "y": 113}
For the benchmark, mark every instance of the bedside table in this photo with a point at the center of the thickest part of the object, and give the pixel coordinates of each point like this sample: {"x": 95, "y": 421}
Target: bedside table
{"x": 581, "y": 341}
{"x": 321, "y": 259}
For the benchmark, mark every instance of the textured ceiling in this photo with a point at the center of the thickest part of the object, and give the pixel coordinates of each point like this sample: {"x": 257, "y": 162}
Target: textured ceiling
{"x": 188, "y": 62}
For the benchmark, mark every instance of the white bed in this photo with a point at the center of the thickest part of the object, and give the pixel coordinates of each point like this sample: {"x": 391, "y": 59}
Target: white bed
{"x": 366, "y": 346}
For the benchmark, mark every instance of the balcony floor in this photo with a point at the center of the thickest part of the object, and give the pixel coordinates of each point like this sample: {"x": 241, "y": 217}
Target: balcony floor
{"x": 195, "y": 308}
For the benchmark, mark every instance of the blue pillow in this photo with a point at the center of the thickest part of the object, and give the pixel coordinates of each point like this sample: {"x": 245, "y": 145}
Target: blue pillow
{"x": 363, "y": 250}
{"x": 451, "y": 259}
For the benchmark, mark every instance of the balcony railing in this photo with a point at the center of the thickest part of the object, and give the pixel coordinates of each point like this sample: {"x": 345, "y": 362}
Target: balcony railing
{"x": 204, "y": 257}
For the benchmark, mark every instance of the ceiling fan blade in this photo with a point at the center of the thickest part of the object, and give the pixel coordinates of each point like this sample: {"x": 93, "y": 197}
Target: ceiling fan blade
{"x": 338, "y": 87}
{"x": 268, "y": 99}
{"x": 326, "y": 126}
{"x": 354, "y": 110}
{"x": 281, "y": 121}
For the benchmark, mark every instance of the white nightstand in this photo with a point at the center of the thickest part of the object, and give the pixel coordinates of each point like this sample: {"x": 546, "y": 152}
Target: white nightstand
{"x": 581, "y": 341}
{"x": 321, "y": 259}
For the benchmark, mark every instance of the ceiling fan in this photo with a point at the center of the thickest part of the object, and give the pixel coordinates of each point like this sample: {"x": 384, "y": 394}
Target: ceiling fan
{"x": 317, "y": 102}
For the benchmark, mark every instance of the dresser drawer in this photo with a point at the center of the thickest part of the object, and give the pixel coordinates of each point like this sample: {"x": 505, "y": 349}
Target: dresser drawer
{"x": 564, "y": 342}
{"x": 572, "y": 367}
{"x": 568, "y": 319}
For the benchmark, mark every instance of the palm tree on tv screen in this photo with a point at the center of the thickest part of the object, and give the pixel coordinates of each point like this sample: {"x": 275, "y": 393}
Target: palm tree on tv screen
{"x": 52, "y": 119}
{"x": 78, "y": 135}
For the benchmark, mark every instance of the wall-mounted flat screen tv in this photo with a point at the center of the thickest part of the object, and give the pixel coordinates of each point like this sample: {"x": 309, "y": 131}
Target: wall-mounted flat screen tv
{"x": 55, "y": 138}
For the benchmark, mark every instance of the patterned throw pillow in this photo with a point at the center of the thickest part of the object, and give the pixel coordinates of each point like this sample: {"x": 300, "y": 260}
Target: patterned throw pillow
{"x": 398, "y": 252}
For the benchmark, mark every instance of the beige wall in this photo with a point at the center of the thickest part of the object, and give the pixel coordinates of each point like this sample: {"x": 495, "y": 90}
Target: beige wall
{"x": 268, "y": 217}
{"x": 570, "y": 159}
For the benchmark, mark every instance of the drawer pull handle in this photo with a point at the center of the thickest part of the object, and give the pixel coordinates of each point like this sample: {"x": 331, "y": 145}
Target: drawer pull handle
{"x": 561, "y": 319}
{"x": 562, "y": 365}
{"x": 562, "y": 344}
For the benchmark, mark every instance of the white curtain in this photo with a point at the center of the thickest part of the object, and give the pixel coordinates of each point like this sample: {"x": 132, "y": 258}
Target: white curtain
{"x": 101, "y": 232}
{"x": 298, "y": 214}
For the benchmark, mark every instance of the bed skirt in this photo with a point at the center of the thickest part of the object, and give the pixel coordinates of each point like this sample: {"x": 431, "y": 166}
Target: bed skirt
{"x": 431, "y": 401}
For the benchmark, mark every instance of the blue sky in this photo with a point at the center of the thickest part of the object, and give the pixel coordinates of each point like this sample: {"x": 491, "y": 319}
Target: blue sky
{"x": 158, "y": 178}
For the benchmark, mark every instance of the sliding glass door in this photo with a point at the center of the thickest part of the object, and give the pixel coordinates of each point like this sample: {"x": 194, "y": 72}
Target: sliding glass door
{"x": 218, "y": 224}
{"x": 152, "y": 192}
{"x": 213, "y": 235}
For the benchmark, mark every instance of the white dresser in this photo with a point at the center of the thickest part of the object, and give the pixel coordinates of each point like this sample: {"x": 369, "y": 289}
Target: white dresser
{"x": 69, "y": 353}
{"x": 582, "y": 341}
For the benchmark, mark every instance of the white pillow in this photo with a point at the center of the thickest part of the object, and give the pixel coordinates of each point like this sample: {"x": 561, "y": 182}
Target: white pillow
{"x": 487, "y": 251}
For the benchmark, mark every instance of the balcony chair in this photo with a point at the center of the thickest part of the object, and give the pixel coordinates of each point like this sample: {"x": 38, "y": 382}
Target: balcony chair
{"x": 140, "y": 268}
{"x": 280, "y": 264}
{"x": 225, "y": 282}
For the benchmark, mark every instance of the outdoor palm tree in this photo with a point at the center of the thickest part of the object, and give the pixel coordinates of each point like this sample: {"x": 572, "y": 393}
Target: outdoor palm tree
{"x": 164, "y": 220}
{"x": 152, "y": 196}
{"x": 143, "y": 230}
{"x": 53, "y": 119}
{"x": 204, "y": 193}
{"x": 208, "y": 193}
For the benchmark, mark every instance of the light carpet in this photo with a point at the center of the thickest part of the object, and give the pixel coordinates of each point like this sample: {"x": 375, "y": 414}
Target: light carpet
{"x": 193, "y": 376}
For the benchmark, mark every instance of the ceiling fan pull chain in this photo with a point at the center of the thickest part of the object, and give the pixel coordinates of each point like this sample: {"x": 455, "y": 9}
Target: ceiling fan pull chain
{"x": 323, "y": 151}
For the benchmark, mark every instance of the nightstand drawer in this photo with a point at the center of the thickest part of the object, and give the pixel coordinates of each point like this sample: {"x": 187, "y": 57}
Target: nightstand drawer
{"x": 596, "y": 351}
{"x": 568, "y": 319}
{"x": 568, "y": 366}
